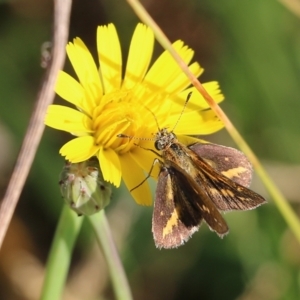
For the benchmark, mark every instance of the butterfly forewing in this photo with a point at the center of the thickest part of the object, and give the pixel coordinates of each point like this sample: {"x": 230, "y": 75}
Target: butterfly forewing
{"x": 224, "y": 192}
{"x": 225, "y": 160}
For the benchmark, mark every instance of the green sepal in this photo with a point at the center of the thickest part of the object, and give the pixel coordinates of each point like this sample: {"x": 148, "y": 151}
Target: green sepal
{"x": 83, "y": 187}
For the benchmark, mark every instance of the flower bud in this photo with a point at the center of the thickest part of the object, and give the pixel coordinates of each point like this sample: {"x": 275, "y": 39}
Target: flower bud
{"x": 83, "y": 187}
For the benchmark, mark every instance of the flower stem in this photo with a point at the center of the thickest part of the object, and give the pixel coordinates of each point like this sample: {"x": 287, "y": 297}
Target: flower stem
{"x": 105, "y": 240}
{"x": 60, "y": 254}
{"x": 282, "y": 204}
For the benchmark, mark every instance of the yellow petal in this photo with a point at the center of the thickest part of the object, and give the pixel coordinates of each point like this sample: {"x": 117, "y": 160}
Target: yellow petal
{"x": 86, "y": 70}
{"x": 181, "y": 81}
{"x": 133, "y": 176}
{"x": 196, "y": 101}
{"x": 195, "y": 123}
{"x": 79, "y": 149}
{"x": 145, "y": 158}
{"x": 139, "y": 57}
{"x": 110, "y": 166}
{"x": 165, "y": 70}
{"x": 189, "y": 140}
{"x": 68, "y": 119}
{"x": 110, "y": 57}
{"x": 69, "y": 89}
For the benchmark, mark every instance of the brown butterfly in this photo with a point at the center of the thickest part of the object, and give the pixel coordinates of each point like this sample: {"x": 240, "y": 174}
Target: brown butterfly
{"x": 195, "y": 183}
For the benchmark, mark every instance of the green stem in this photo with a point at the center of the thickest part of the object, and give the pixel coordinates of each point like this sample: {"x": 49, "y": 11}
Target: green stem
{"x": 105, "y": 240}
{"x": 283, "y": 206}
{"x": 60, "y": 254}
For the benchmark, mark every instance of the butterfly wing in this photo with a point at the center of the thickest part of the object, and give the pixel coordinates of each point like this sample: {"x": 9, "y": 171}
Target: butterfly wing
{"x": 224, "y": 192}
{"x": 168, "y": 229}
{"x": 225, "y": 160}
{"x": 179, "y": 208}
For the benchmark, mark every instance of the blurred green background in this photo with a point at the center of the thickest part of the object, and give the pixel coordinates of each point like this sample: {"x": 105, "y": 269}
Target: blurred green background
{"x": 253, "y": 49}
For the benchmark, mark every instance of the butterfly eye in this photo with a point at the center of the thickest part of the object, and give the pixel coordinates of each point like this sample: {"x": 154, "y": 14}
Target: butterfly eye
{"x": 159, "y": 145}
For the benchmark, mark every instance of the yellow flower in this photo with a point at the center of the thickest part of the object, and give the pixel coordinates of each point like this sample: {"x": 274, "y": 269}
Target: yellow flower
{"x": 109, "y": 103}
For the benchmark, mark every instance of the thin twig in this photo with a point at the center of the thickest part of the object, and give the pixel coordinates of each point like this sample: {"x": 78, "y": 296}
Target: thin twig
{"x": 292, "y": 5}
{"x": 36, "y": 125}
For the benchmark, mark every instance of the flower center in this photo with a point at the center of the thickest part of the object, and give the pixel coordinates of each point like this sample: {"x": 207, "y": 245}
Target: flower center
{"x": 118, "y": 113}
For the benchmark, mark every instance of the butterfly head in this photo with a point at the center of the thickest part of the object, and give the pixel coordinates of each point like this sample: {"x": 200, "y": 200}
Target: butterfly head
{"x": 163, "y": 139}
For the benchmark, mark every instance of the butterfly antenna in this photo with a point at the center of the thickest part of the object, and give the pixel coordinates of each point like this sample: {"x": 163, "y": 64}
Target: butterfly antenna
{"x": 137, "y": 138}
{"x": 154, "y": 116}
{"x": 183, "y": 109}
{"x": 121, "y": 135}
